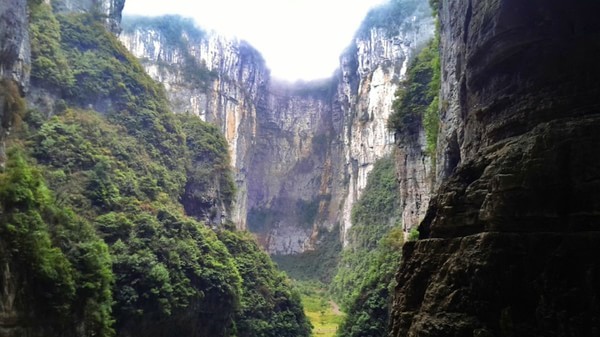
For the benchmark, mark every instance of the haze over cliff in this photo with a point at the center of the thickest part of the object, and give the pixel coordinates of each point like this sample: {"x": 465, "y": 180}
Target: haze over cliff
{"x": 301, "y": 151}
{"x": 102, "y": 186}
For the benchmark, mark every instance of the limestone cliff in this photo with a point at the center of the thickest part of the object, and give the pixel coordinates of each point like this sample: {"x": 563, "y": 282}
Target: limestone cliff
{"x": 372, "y": 70}
{"x": 207, "y": 75}
{"x": 14, "y": 42}
{"x": 14, "y": 64}
{"x": 110, "y": 10}
{"x": 511, "y": 238}
{"x": 301, "y": 151}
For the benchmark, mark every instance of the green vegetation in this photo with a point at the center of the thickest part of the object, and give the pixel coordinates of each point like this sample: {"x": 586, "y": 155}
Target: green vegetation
{"x": 49, "y": 64}
{"x": 96, "y": 219}
{"x": 65, "y": 266}
{"x": 413, "y": 235}
{"x": 268, "y": 308}
{"x": 318, "y": 264}
{"x": 322, "y": 312}
{"x": 362, "y": 284}
{"x": 373, "y": 216}
{"x": 12, "y": 108}
{"x": 368, "y": 314}
{"x": 417, "y": 100}
{"x": 209, "y": 181}
{"x": 435, "y": 5}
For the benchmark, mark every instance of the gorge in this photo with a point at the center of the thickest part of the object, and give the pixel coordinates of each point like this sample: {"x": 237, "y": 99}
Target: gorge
{"x": 132, "y": 166}
{"x": 302, "y": 151}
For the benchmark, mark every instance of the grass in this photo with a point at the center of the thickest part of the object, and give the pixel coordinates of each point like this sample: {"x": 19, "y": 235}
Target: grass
{"x": 323, "y": 313}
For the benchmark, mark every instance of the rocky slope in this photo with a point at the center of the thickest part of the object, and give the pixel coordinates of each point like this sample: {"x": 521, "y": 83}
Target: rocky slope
{"x": 511, "y": 238}
{"x": 301, "y": 151}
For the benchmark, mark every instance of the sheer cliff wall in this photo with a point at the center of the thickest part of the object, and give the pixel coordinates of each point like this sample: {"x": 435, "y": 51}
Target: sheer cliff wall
{"x": 301, "y": 151}
{"x": 510, "y": 241}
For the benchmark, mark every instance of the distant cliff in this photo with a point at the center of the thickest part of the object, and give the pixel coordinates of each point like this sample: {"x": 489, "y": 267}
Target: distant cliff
{"x": 109, "y": 9}
{"x": 301, "y": 151}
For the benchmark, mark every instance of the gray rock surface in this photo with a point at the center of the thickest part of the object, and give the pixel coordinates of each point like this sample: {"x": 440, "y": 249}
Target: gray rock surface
{"x": 14, "y": 42}
{"x": 301, "y": 151}
{"x": 15, "y": 62}
{"x": 111, "y": 10}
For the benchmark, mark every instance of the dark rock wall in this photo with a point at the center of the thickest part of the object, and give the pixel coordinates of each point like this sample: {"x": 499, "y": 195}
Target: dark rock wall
{"x": 510, "y": 239}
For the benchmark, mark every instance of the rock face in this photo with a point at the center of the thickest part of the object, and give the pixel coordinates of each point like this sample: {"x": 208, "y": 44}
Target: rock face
{"x": 301, "y": 151}
{"x": 414, "y": 170}
{"x": 14, "y": 42}
{"x": 511, "y": 237}
{"x": 207, "y": 75}
{"x": 366, "y": 93}
{"x": 110, "y": 9}
{"x": 14, "y": 63}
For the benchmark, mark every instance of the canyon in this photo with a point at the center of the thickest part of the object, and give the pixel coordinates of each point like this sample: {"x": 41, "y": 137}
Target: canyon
{"x": 301, "y": 151}
{"x": 507, "y": 208}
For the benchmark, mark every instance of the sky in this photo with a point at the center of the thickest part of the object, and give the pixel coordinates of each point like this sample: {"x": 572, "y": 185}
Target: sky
{"x": 299, "y": 39}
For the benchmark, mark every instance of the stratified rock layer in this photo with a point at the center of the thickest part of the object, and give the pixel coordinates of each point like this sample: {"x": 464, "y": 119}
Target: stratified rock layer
{"x": 511, "y": 237}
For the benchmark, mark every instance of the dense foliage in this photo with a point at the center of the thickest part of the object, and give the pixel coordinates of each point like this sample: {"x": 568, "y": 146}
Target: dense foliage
{"x": 373, "y": 216}
{"x": 268, "y": 307}
{"x": 96, "y": 219}
{"x": 318, "y": 264}
{"x": 417, "y": 100}
{"x": 365, "y": 273}
{"x": 369, "y": 312}
{"x": 62, "y": 260}
{"x": 209, "y": 185}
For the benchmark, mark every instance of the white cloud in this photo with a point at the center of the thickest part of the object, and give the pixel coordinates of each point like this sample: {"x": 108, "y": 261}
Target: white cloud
{"x": 299, "y": 39}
